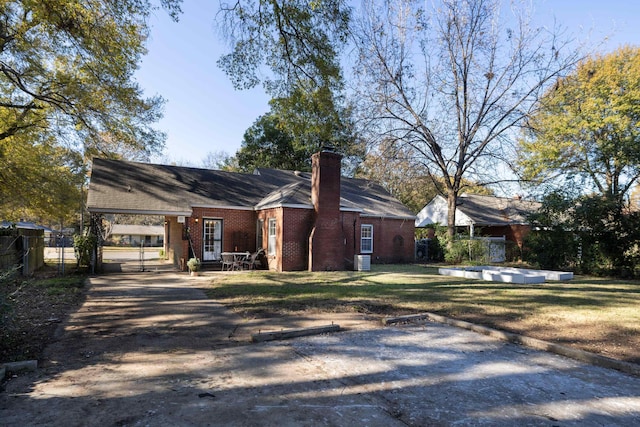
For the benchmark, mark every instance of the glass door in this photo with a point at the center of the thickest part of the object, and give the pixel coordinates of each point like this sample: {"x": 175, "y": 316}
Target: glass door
{"x": 212, "y": 240}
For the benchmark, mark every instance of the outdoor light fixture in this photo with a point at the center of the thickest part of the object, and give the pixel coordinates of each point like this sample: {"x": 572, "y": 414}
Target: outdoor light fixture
{"x": 196, "y": 220}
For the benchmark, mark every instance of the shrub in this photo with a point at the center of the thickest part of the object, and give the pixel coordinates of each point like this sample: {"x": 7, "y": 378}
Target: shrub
{"x": 83, "y": 246}
{"x": 553, "y": 249}
{"x": 457, "y": 252}
{"x": 436, "y": 251}
{"x": 194, "y": 264}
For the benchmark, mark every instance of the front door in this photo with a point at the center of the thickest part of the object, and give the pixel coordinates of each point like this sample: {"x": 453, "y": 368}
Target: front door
{"x": 212, "y": 240}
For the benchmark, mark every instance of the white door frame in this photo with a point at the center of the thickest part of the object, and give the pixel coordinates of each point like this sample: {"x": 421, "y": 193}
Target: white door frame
{"x": 211, "y": 239}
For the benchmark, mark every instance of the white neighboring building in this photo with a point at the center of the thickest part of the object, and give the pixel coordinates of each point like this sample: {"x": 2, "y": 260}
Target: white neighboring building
{"x": 487, "y": 216}
{"x": 134, "y": 235}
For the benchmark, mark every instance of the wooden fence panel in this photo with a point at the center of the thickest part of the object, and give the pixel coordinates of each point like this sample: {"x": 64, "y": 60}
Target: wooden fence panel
{"x": 25, "y": 248}
{"x": 9, "y": 254}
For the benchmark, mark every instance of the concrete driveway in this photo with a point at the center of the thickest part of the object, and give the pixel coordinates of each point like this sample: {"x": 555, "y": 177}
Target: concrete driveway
{"x": 149, "y": 349}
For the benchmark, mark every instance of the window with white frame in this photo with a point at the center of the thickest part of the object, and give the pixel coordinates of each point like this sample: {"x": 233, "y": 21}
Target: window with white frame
{"x": 271, "y": 244}
{"x": 366, "y": 238}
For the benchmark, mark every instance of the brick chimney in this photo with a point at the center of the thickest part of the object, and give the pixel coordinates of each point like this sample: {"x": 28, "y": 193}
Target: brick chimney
{"x": 326, "y": 242}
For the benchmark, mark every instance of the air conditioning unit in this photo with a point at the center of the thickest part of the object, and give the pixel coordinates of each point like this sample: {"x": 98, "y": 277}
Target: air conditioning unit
{"x": 362, "y": 263}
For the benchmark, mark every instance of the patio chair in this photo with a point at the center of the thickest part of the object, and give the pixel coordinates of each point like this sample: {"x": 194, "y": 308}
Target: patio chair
{"x": 250, "y": 262}
{"x": 240, "y": 259}
{"x": 228, "y": 262}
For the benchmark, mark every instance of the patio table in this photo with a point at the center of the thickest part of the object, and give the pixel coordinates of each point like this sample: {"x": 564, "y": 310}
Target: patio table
{"x": 233, "y": 260}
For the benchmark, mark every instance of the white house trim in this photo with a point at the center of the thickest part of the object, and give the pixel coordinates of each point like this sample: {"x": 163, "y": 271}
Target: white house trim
{"x": 436, "y": 212}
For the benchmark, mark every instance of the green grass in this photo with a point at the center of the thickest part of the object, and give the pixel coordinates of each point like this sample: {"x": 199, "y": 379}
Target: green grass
{"x": 600, "y": 315}
{"x": 62, "y": 285}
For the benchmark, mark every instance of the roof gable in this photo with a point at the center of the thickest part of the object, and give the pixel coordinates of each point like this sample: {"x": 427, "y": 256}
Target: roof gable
{"x": 436, "y": 212}
{"x": 361, "y": 195}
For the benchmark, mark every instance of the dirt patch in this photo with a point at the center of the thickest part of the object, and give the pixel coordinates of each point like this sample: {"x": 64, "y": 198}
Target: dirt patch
{"x": 32, "y": 310}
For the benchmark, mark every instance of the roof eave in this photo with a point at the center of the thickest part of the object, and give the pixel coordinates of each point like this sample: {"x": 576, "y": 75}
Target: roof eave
{"x": 403, "y": 217}
{"x": 231, "y": 207}
{"x": 283, "y": 205}
{"x": 138, "y": 211}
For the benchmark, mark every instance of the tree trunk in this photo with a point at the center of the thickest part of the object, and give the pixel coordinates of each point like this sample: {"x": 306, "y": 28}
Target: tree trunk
{"x": 452, "y": 200}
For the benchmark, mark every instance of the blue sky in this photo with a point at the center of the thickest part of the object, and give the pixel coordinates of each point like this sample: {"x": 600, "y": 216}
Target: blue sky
{"x": 204, "y": 113}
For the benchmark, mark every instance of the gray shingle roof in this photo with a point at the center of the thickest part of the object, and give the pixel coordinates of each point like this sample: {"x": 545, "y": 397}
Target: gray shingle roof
{"x": 129, "y": 187}
{"x": 490, "y": 210}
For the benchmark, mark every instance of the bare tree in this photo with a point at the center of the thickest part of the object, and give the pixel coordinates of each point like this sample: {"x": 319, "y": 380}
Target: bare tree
{"x": 220, "y": 160}
{"x": 453, "y": 82}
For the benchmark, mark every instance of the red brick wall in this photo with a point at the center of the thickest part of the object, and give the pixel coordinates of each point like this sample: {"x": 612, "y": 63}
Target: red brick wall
{"x": 351, "y": 231}
{"x": 295, "y": 237}
{"x": 275, "y": 261}
{"x": 514, "y": 233}
{"x": 393, "y": 240}
{"x": 175, "y": 248}
{"x": 326, "y": 241}
{"x": 238, "y": 229}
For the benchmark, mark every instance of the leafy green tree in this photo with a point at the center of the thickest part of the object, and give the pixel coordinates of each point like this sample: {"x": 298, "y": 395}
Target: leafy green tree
{"x": 588, "y": 127}
{"x": 40, "y": 179}
{"x": 588, "y": 233}
{"x": 67, "y": 68}
{"x": 297, "y": 40}
{"x": 67, "y": 90}
{"x": 296, "y": 127}
{"x": 553, "y": 244}
{"x": 317, "y": 119}
{"x": 609, "y": 236}
{"x": 83, "y": 246}
{"x": 266, "y": 144}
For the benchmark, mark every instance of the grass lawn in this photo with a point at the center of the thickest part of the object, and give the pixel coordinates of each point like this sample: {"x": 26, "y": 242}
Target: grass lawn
{"x": 593, "y": 314}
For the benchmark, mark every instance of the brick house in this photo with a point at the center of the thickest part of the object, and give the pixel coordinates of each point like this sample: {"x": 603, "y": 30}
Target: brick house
{"x": 304, "y": 221}
{"x": 483, "y": 215}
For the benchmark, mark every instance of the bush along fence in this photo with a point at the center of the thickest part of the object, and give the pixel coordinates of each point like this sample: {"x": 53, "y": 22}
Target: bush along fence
{"x": 476, "y": 250}
{"x": 23, "y": 248}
